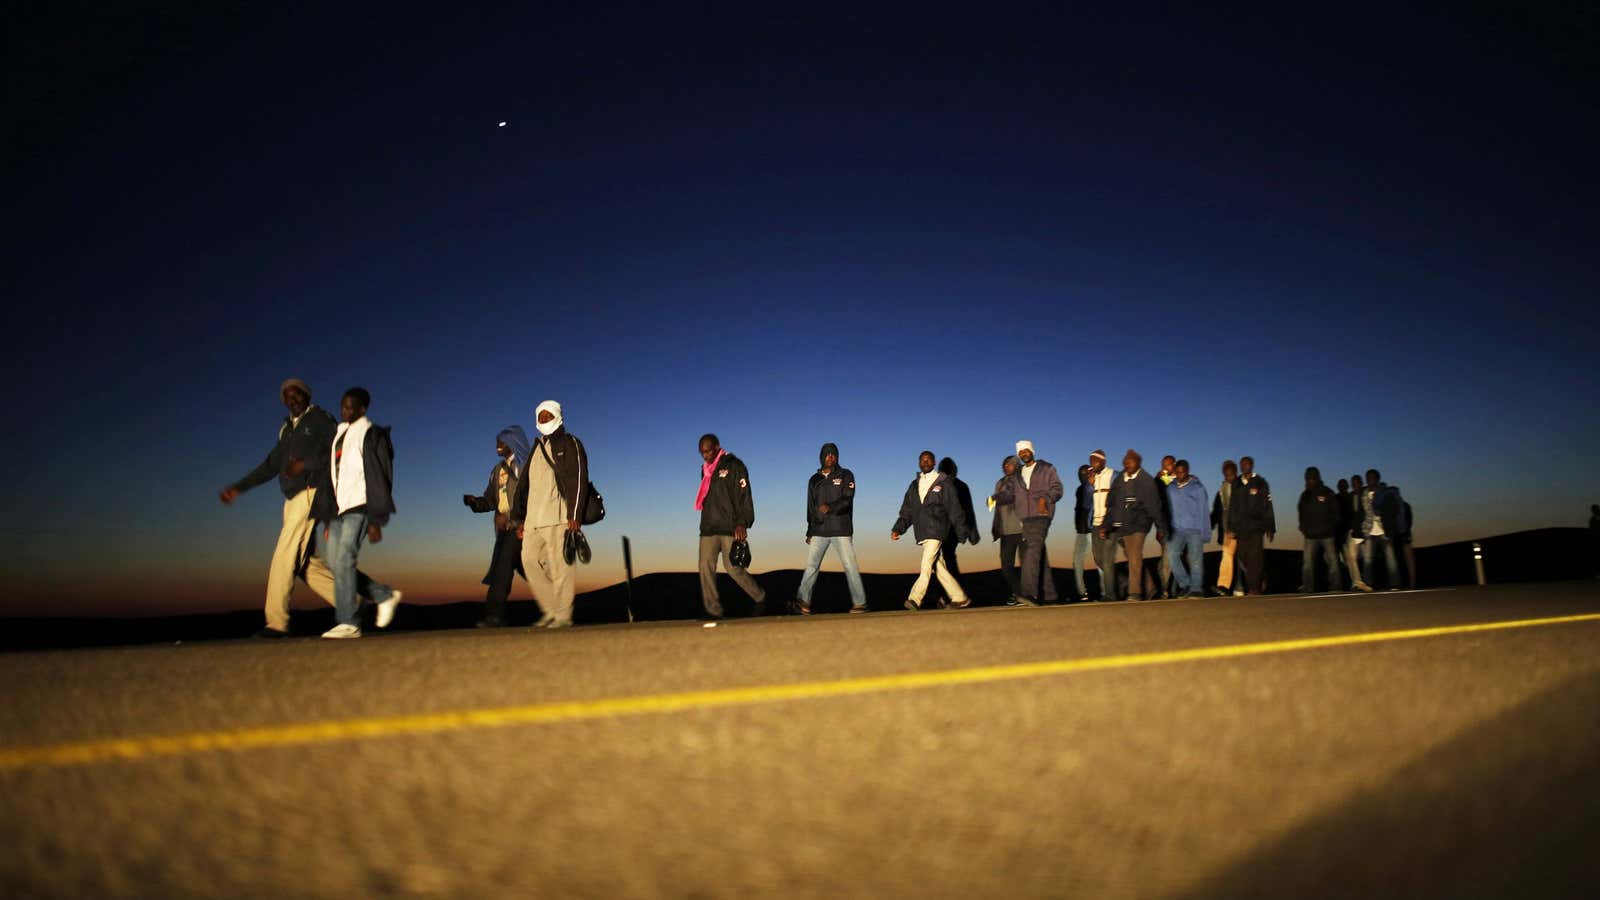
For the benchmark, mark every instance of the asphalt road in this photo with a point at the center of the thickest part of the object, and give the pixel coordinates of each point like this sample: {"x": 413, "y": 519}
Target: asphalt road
{"x": 1454, "y": 764}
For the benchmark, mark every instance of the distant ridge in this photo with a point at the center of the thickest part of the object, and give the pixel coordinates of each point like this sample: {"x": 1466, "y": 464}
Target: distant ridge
{"x": 1543, "y": 554}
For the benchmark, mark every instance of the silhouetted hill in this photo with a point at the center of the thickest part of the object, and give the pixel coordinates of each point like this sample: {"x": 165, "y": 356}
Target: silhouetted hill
{"x": 1545, "y": 554}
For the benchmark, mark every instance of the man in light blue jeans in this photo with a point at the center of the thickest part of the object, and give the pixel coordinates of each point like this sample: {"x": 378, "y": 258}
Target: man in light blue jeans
{"x": 830, "y": 522}
{"x": 339, "y": 551}
{"x": 353, "y": 503}
{"x": 1191, "y": 524}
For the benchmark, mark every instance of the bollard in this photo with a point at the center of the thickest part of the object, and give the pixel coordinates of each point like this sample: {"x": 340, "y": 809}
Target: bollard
{"x": 1477, "y": 561}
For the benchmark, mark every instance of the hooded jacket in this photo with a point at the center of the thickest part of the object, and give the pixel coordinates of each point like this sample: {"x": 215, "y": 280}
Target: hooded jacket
{"x": 516, "y": 439}
{"x": 377, "y": 463}
{"x": 307, "y": 439}
{"x": 1083, "y": 506}
{"x": 1134, "y": 505}
{"x": 1319, "y": 512}
{"x": 729, "y": 502}
{"x": 1188, "y": 506}
{"x": 1005, "y": 519}
{"x": 837, "y": 491}
{"x": 1044, "y": 485}
{"x": 570, "y": 461}
{"x": 1381, "y": 503}
{"x": 938, "y": 516}
{"x": 1250, "y": 510}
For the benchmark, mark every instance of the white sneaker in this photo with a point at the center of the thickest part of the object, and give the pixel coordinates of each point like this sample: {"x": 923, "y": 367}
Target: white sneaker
{"x": 386, "y": 609}
{"x": 1238, "y": 593}
{"x": 339, "y": 632}
{"x": 544, "y": 621}
{"x": 558, "y": 623}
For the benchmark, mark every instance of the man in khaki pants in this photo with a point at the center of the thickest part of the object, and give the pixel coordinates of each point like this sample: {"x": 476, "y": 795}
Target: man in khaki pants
{"x": 305, "y": 433}
{"x": 1219, "y": 518}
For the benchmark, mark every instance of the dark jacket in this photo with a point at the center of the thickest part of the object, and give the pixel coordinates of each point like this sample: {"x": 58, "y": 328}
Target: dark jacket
{"x": 1083, "y": 507}
{"x": 377, "y": 464}
{"x": 565, "y": 453}
{"x": 1044, "y": 485}
{"x": 1319, "y": 512}
{"x": 306, "y": 440}
{"x": 938, "y": 517}
{"x": 1251, "y": 509}
{"x": 1382, "y": 503}
{"x": 1004, "y": 521}
{"x": 1134, "y": 505}
{"x": 1219, "y": 509}
{"x": 835, "y": 490}
{"x": 489, "y": 501}
{"x": 729, "y": 502}
{"x": 1346, "y": 513}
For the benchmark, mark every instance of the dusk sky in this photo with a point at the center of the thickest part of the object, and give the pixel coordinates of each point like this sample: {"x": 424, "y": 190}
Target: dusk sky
{"x": 1323, "y": 238}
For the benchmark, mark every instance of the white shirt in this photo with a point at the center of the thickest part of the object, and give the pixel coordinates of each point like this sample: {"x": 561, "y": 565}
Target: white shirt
{"x": 1377, "y": 520}
{"x": 349, "y": 465}
{"x": 925, "y": 480}
{"x": 1027, "y": 474}
{"x": 1101, "y": 484}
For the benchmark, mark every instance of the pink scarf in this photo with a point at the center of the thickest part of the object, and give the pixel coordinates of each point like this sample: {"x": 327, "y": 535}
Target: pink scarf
{"x": 705, "y": 480}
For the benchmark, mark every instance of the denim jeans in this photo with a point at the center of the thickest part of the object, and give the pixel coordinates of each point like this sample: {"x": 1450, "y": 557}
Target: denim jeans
{"x": 1369, "y": 548}
{"x": 852, "y": 572}
{"x": 344, "y": 537}
{"x": 1186, "y": 557}
{"x": 1010, "y": 547}
{"x": 1308, "y": 564}
{"x": 1080, "y": 555}
{"x": 1038, "y": 581}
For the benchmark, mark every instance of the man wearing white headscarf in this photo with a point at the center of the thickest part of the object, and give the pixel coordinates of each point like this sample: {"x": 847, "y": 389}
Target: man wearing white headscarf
{"x": 1033, "y": 491}
{"x": 550, "y": 502}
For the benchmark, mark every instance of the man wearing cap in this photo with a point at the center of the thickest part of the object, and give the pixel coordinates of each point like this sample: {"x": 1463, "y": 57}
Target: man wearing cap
{"x": 303, "y": 438}
{"x": 1132, "y": 507}
{"x": 1033, "y": 491}
{"x": 830, "y": 522}
{"x": 549, "y": 504}
{"x": 1099, "y": 480}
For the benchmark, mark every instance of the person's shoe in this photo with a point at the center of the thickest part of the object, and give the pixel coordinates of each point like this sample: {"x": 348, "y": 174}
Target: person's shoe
{"x": 799, "y": 607}
{"x": 558, "y": 623}
{"x": 965, "y": 602}
{"x": 1026, "y": 601}
{"x": 386, "y": 609}
{"x": 1238, "y": 592}
{"x": 858, "y": 609}
{"x": 1365, "y": 588}
{"x": 913, "y": 605}
{"x": 270, "y": 634}
{"x": 491, "y": 622}
{"x": 759, "y": 609}
{"x": 342, "y": 632}
{"x": 544, "y": 620}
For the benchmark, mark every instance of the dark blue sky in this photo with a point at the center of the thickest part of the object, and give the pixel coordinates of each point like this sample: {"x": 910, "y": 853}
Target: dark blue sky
{"x": 1330, "y": 237}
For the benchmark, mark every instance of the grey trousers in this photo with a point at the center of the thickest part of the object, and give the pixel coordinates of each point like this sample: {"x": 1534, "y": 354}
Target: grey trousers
{"x": 1105, "y": 559}
{"x": 1036, "y": 561}
{"x": 712, "y": 547}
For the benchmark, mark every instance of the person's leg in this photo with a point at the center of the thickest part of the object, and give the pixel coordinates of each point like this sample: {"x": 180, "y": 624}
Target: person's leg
{"x": 1330, "y": 558}
{"x": 1230, "y": 547}
{"x": 919, "y": 588}
{"x": 535, "y": 564}
{"x": 1032, "y": 553}
{"x": 742, "y": 577}
{"x": 1105, "y": 563}
{"x": 1080, "y": 550}
{"x": 947, "y": 580}
{"x": 1195, "y": 559}
{"x": 1352, "y": 551}
{"x": 561, "y": 587}
{"x": 1010, "y": 545}
{"x": 339, "y": 550}
{"x": 1040, "y": 534}
{"x": 1133, "y": 549}
{"x": 808, "y": 580}
{"x": 286, "y": 557}
{"x": 852, "y": 571}
{"x": 1174, "y": 565}
{"x": 710, "y": 549}
{"x": 502, "y": 569}
{"x": 1366, "y": 560}
{"x": 1308, "y": 566}
{"x": 1391, "y": 564}
{"x": 1164, "y": 578}
{"x": 1249, "y": 555}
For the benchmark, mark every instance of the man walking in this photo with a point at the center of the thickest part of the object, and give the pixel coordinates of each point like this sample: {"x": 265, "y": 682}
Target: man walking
{"x": 1132, "y": 508}
{"x": 933, "y": 510}
{"x": 1007, "y": 529}
{"x": 1166, "y": 476}
{"x": 1354, "y": 510}
{"x": 1191, "y": 523}
{"x": 830, "y": 522}
{"x": 551, "y": 501}
{"x": 506, "y": 561}
{"x": 1034, "y": 491}
{"x": 303, "y": 441}
{"x": 1099, "y": 481}
{"x": 357, "y": 501}
{"x": 1227, "y": 572}
{"x": 1319, "y": 525}
{"x": 1251, "y": 520}
{"x": 1082, "y": 512}
{"x": 952, "y": 541}
{"x": 727, "y": 511}
{"x": 1380, "y": 515}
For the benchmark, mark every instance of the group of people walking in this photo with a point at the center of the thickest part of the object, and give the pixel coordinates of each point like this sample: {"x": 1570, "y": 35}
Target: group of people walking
{"x": 337, "y": 480}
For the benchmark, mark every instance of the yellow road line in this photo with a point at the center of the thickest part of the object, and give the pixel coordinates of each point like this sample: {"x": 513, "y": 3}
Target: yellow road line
{"x": 135, "y": 748}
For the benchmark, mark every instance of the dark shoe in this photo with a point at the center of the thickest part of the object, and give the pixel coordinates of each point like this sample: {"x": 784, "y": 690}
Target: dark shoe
{"x": 270, "y": 634}
{"x": 759, "y": 609}
{"x": 798, "y": 607}
{"x": 858, "y": 609}
{"x": 491, "y": 622}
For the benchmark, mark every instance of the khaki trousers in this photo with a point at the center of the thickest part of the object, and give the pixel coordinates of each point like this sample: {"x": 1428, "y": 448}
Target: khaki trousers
{"x": 1230, "y": 545}
{"x": 1133, "y": 550}
{"x": 933, "y": 564}
{"x": 713, "y": 546}
{"x": 289, "y": 559}
{"x": 544, "y": 562}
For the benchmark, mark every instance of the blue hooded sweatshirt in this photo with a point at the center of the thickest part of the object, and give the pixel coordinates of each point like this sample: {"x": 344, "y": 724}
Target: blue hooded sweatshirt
{"x": 514, "y": 437}
{"x": 1191, "y": 508}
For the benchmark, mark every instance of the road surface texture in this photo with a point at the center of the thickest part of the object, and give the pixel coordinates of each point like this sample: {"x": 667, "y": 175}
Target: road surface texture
{"x": 1349, "y": 745}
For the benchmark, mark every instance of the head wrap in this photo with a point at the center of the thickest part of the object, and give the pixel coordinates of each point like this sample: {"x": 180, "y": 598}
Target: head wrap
{"x": 552, "y": 426}
{"x": 294, "y": 383}
{"x": 1024, "y": 445}
{"x": 514, "y": 437}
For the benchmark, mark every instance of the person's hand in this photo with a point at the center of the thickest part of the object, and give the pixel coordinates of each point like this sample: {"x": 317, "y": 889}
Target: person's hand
{"x": 808, "y": 538}
{"x": 466, "y": 499}
{"x": 1271, "y": 535}
{"x": 823, "y": 509}
{"x": 295, "y": 467}
{"x": 501, "y": 520}
{"x": 228, "y": 495}
{"x": 374, "y": 533}
{"x": 894, "y": 535}
{"x": 738, "y": 532}
{"x": 1232, "y": 536}
{"x": 573, "y": 525}
{"x": 1041, "y": 506}
{"x": 521, "y": 531}
{"x": 1104, "y": 534}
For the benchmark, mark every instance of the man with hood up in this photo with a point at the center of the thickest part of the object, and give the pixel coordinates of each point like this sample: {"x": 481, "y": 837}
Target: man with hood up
{"x": 830, "y": 522}
{"x": 727, "y": 512}
{"x": 932, "y": 507}
{"x": 549, "y": 504}
{"x": 511, "y": 444}
{"x": 1034, "y": 491}
{"x": 1007, "y": 529}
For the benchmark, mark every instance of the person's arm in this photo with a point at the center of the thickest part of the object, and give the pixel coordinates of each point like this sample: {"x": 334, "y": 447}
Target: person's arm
{"x": 812, "y": 509}
{"x": 487, "y": 502}
{"x": 908, "y": 513}
{"x": 1054, "y": 488}
{"x": 846, "y": 500}
{"x": 580, "y": 497}
{"x": 378, "y": 463}
{"x": 261, "y": 474}
{"x": 958, "y": 514}
{"x": 1272, "y": 520}
{"x": 519, "y": 500}
{"x": 744, "y": 501}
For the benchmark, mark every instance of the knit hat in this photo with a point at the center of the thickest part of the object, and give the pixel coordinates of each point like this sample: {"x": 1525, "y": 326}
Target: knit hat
{"x": 294, "y": 383}
{"x": 1024, "y": 445}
